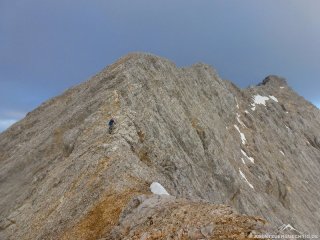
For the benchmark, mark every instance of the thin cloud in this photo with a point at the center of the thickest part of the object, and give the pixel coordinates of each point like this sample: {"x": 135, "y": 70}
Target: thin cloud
{"x": 6, "y": 123}
{"x": 9, "y": 117}
{"x": 14, "y": 114}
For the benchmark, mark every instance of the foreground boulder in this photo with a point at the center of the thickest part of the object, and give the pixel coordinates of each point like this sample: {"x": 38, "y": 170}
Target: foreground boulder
{"x": 165, "y": 217}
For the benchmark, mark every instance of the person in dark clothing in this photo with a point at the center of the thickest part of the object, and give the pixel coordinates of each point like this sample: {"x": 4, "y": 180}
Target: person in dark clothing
{"x": 111, "y": 125}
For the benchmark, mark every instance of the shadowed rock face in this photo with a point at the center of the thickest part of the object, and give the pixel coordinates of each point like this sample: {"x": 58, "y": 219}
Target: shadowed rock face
{"x": 63, "y": 176}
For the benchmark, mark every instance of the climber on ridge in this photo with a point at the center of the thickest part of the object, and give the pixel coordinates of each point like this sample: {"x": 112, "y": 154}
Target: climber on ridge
{"x": 111, "y": 125}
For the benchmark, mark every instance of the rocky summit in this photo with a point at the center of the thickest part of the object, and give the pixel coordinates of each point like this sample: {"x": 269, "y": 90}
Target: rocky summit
{"x": 190, "y": 156}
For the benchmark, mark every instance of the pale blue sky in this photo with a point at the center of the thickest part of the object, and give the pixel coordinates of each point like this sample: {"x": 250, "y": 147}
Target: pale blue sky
{"x": 48, "y": 46}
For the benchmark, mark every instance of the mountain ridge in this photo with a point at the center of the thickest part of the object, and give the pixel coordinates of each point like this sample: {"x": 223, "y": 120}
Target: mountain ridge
{"x": 201, "y": 137}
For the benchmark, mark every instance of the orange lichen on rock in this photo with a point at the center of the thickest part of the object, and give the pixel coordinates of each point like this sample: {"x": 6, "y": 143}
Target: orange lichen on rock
{"x": 101, "y": 218}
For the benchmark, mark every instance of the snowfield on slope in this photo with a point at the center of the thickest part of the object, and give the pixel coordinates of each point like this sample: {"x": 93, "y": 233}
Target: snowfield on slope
{"x": 246, "y": 155}
{"x": 261, "y": 100}
{"x": 243, "y": 137}
{"x": 157, "y": 188}
{"x": 244, "y": 177}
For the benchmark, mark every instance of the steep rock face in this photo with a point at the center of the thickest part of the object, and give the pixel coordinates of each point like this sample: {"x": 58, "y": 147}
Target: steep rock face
{"x": 63, "y": 176}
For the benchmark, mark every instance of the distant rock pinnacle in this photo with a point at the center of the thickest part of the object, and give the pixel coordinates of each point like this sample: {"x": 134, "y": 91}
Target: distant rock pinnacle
{"x": 274, "y": 80}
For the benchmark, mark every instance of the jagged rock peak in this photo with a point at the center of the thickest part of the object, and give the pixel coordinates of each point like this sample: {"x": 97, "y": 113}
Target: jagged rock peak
{"x": 274, "y": 80}
{"x": 136, "y": 58}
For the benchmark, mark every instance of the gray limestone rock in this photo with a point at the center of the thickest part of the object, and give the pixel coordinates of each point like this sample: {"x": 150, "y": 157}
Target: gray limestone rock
{"x": 63, "y": 176}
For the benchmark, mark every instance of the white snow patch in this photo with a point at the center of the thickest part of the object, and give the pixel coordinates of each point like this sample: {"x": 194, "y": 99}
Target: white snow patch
{"x": 258, "y": 99}
{"x": 243, "y": 161}
{"x": 282, "y": 87}
{"x": 244, "y": 177}
{"x": 243, "y": 137}
{"x": 237, "y": 103}
{"x": 274, "y": 98}
{"x": 261, "y": 100}
{"x": 157, "y": 188}
{"x": 247, "y": 112}
{"x": 245, "y": 154}
{"x": 239, "y": 121}
{"x": 287, "y": 127}
{"x": 282, "y": 153}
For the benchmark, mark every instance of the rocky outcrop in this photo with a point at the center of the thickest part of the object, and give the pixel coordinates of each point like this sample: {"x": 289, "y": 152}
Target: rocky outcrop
{"x": 63, "y": 176}
{"x": 165, "y": 217}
